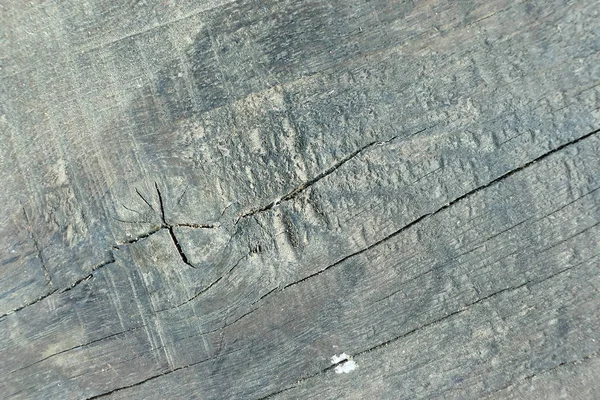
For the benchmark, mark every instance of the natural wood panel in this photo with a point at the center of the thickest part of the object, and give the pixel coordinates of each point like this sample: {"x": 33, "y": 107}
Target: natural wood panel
{"x": 212, "y": 199}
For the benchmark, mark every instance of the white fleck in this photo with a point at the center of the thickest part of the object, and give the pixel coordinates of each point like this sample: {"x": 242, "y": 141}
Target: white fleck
{"x": 342, "y": 357}
{"x": 346, "y": 367}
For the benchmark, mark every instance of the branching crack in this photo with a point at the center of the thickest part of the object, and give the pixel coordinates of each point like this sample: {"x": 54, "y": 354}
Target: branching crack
{"x": 168, "y": 227}
{"x": 311, "y": 182}
{"x": 305, "y": 185}
{"x": 117, "y": 246}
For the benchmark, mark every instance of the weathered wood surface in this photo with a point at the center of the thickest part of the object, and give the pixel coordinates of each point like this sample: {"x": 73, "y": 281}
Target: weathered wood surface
{"x": 211, "y": 199}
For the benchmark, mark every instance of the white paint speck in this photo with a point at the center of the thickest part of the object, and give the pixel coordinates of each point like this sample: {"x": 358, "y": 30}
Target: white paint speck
{"x": 346, "y": 367}
{"x": 345, "y": 364}
{"x": 342, "y": 357}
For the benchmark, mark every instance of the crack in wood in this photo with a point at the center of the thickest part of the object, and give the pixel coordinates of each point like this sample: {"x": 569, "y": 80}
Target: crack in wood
{"x": 78, "y": 347}
{"x": 143, "y": 198}
{"x": 42, "y": 297}
{"x": 139, "y": 238}
{"x": 208, "y": 287}
{"x": 166, "y": 226}
{"x": 147, "y": 380}
{"x": 447, "y": 205}
{"x": 307, "y": 184}
{"x": 111, "y": 259}
{"x": 440, "y": 266}
{"x": 179, "y": 248}
{"x": 586, "y": 358}
{"x": 395, "y": 233}
{"x": 59, "y": 291}
{"x": 39, "y": 252}
{"x": 171, "y": 231}
{"x": 528, "y": 283}
{"x": 161, "y": 375}
{"x": 434, "y": 322}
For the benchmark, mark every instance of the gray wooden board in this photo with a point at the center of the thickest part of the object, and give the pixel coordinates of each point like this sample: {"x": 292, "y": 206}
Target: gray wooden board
{"x": 212, "y": 200}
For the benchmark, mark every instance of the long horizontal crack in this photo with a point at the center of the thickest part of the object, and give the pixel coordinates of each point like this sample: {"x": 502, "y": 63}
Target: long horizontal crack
{"x": 151, "y": 378}
{"x": 195, "y": 226}
{"x": 480, "y": 300}
{"x": 430, "y": 214}
{"x": 302, "y": 380}
{"x": 146, "y": 380}
{"x": 440, "y": 266}
{"x": 305, "y": 185}
{"x": 78, "y": 347}
{"x": 421, "y": 218}
{"x": 189, "y": 365}
{"x": 435, "y": 322}
{"x": 74, "y": 284}
{"x": 586, "y": 358}
{"x": 139, "y": 237}
{"x": 448, "y": 205}
{"x": 160, "y": 228}
{"x": 225, "y": 325}
{"x": 29, "y": 304}
{"x": 88, "y": 276}
{"x": 245, "y": 314}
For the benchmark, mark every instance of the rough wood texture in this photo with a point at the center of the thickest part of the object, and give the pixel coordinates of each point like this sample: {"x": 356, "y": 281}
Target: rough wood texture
{"x": 211, "y": 199}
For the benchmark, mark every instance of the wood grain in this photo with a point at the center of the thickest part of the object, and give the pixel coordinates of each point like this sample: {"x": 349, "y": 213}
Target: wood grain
{"x": 212, "y": 200}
